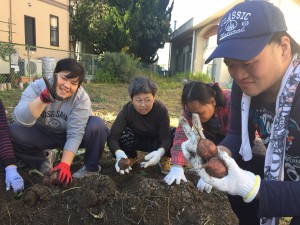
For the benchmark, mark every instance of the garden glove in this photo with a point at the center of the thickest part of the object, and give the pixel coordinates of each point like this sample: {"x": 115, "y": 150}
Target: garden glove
{"x": 237, "y": 182}
{"x": 49, "y": 94}
{"x": 119, "y": 155}
{"x": 203, "y": 186}
{"x": 13, "y": 179}
{"x": 176, "y": 173}
{"x": 64, "y": 173}
{"x": 153, "y": 158}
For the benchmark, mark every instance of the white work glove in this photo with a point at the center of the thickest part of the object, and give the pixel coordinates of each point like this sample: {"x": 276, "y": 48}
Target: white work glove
{"x": 203, "y": 186}
{"x": 176, "y": 173}
{"x": 13, "y": 179}
{"x": 120, "y": 155}
{"x": 238, "y": 181}
{"x": 153, "y": 158}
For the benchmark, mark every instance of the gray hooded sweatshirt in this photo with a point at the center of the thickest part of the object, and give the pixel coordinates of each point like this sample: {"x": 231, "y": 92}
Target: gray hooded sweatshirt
{"x": 69, "y": 116}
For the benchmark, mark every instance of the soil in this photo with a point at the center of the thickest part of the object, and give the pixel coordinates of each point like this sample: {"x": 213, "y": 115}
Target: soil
{"x": 140, "y": 197}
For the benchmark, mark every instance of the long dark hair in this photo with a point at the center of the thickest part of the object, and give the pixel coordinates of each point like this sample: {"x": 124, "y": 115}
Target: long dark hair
{"x": 202, "y": 92}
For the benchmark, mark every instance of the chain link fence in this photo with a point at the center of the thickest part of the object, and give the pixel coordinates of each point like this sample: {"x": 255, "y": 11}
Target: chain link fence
{"x": 31, "y": 62}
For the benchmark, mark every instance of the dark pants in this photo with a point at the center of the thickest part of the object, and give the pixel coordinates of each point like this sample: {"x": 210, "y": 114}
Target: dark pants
{"x": 247, "y": 213}
{"x": 29, "y": 142}
{"x": 131, "y": 142}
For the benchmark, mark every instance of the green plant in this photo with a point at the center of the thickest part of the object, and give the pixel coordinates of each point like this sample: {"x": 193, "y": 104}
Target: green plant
{"x": 6, "y": 49}
{"x": 194, "y": 76}
{"x": 116, "y": 67}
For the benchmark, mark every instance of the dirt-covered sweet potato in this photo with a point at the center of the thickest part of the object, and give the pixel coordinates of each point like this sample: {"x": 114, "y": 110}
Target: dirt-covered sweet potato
{"x": 124, "y": 163}
{"x": 206, "y": 149}
{"x": 50, "y": 178}
{"x": 215, "y": 167}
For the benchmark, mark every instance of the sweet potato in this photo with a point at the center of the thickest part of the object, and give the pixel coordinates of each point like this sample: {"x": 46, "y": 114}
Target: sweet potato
{"x": 215, "y": 167}
{"x": 124, "y": 163}
{"x": 206, "y": 149}
{"x": 51, "y": 178}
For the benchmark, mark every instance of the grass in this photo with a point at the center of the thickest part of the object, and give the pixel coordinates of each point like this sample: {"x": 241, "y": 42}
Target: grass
{"x": 108, "y": 99}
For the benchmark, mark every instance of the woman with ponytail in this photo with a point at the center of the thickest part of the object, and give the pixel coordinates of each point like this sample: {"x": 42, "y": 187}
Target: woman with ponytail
{"x": 212, "y": 104}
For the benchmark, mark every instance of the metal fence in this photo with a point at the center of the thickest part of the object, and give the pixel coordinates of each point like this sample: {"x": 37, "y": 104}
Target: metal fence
{"x": 31, "y": 62}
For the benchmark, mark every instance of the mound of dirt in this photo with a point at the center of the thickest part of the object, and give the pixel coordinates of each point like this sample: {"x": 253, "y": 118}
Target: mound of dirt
{"x": 140, "y": 197}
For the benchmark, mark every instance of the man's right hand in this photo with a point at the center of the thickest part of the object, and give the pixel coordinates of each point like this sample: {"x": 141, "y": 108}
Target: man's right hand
{"x": 120, "y": 154}
{"x": 176, "y": 173}
{"x": 49, "y": 93}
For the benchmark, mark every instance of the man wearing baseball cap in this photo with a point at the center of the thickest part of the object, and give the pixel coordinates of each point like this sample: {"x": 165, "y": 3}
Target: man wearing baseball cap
{"x": 263, "y": 60}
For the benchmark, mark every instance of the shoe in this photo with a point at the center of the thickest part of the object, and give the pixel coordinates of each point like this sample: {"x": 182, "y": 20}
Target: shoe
{"x": 165, "y": 164}
{"x": 83, "y": 172}
{"x": 47, "y": 164}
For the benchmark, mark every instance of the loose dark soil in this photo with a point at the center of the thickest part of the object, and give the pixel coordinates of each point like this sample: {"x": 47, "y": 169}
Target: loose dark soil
{"x": 140, "y": 197}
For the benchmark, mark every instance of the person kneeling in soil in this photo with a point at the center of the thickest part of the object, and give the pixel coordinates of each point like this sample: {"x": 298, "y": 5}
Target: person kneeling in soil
{"x": 143, "y": 124}
{"x": 212, "y": 104}
{"x": 56, "y": 113}
{"x": 7, "y": 156}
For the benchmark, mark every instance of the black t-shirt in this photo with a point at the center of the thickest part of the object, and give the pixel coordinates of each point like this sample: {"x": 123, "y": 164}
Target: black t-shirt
{"x": 261, "y": 116}
{"x": 155, "y": 124}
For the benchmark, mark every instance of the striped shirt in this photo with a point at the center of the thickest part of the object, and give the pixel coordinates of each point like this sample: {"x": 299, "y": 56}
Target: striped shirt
{"x": 7, "y": 155}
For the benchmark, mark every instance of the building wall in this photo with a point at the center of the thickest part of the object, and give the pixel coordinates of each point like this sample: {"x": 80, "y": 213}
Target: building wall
{"x": 41, "y": 11}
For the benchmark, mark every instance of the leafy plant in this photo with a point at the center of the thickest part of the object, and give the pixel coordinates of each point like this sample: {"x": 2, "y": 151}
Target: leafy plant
{"x": 116, "y": 67}
{"x": 194, "y": 76}
{"x": 6, "y": 49}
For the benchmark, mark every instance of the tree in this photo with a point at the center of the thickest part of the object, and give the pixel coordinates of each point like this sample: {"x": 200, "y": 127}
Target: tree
{"x": 137, "y": 27}
{"x": 95, "y": 23}
{"x": 149, "y": 28}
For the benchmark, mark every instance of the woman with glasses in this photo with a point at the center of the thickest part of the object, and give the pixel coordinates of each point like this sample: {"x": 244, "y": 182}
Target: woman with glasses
{"x": 212, "y": 104}
{"x": 57, "y": 114}
{"x": 144, "y": 125}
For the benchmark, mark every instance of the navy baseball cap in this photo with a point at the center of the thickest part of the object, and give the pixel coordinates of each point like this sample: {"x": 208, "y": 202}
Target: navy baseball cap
{"x": 245, "y": 30}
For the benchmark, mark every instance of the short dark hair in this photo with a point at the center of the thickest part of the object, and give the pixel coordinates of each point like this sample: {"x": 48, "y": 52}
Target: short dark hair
{"x": 295, "y": 47}
{"x": 202, "y": 92}
{"x": 72, "y": 66}
{"x": 141, "y": 85}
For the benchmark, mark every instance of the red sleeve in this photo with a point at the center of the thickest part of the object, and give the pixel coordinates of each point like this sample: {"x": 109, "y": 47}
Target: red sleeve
{"x": 177, "y": 156}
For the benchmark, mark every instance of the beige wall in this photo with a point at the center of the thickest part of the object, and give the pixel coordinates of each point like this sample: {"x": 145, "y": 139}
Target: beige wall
{"x": 41, "y": 11}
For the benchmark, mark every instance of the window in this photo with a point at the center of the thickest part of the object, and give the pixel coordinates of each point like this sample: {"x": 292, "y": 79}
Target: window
{"x": 30, "y": 38}
{"x": 54, "y": 33}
